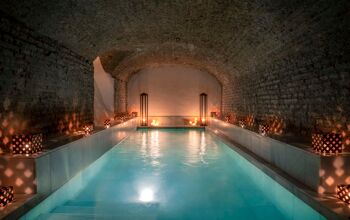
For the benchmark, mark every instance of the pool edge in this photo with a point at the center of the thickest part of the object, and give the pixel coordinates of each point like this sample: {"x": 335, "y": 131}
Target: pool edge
{"x": 321, "y": 203}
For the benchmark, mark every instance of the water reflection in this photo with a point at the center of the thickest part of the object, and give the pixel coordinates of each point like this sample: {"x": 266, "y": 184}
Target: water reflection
{"x": 197, "y": 148}
{"x": 150, "y": 151}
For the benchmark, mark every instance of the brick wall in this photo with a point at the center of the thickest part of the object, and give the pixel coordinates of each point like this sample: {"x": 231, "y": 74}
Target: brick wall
{"x": 44, "y": 87}
{"x": 305, "y": 78}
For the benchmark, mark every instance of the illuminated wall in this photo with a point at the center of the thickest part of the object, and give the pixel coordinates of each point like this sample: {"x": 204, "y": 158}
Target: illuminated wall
{"x": 103, "y": 94}
{"x": 173, "y": 90}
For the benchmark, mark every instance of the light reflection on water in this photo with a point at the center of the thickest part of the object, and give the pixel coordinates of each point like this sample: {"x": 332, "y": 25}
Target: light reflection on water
{"x": 186, "y": 174}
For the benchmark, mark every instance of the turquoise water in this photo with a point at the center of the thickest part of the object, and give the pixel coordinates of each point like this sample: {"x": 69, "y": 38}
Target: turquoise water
{"x": 172, "y": 174}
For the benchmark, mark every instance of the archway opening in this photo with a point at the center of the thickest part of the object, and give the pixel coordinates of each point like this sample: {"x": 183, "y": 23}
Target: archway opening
{"x": 173, "y": 93}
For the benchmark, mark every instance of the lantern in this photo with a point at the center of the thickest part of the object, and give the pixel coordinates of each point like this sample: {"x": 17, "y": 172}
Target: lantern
{"x": 27, "y": 143}
{"x": 213, "y": 114}
{"x": 107, "y": 123}
{"x": 6, "y": 195}
{"x": 88, "y": 129}
{"x": 343, "y": 193}
{"x": 134, "y": 114}
{"x": 327, "y": 143}
{"x": 263, "y": 129}
{"x": 144, "y": 109}
{"x": 203, "y": 106}
{"x": 242, "y": 123}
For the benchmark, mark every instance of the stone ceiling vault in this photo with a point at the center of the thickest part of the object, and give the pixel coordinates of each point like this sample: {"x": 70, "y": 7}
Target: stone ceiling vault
{"x": 237, "y": 34}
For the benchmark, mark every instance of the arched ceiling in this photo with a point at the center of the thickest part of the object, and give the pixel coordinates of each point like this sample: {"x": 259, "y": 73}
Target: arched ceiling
{"x": 123, "y": 65}
{"x": 236, "y": 35}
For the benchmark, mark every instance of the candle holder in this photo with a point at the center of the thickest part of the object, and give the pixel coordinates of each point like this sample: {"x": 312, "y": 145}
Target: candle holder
{"x": 263, "y": 129}
{"x": 327, "y": 143}
{"x": 343, "y": 193}
{"x": 242, "y": 123}
{"x": 193, "y": 122}
{"x": 155, "y": 122}
{"x": 107, "y": 123}
{"x": 88, "y": 129}
{"x": 6, "y": 195}
{"x": 27, "y": 144}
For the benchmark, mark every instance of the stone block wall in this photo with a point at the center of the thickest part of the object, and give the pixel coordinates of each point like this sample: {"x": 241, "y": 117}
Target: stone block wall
{"x": 300, "y": 70}
{"x": 44, "y": 87}
{"x": 120, "y": 96}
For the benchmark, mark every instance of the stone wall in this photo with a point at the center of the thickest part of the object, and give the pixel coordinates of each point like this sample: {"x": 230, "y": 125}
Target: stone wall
{"x": 120, "y": 95}
{"x": 44, "y": 87}
{"x": 300, "y": 72}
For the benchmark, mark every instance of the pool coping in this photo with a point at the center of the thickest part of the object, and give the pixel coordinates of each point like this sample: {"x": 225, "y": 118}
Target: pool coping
{"x": 327, "y": 205}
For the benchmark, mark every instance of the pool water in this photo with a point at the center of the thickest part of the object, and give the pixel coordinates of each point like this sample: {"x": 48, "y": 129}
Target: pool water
{"x": 173, "y": 174}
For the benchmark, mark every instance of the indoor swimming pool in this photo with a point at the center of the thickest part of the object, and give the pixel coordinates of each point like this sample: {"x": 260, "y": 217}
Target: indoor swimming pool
{"x": 172, "y": 174}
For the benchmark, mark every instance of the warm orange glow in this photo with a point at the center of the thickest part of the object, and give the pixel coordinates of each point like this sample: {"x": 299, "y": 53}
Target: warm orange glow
{"x": 6, "y": 195}
{"x": 242, "y": 123}
{"x": 155, "y": 123}
{"x": 194, "y": 122}
{"x": 88, "y": 129}
{"x": 107, "y": 123}
{"x": 27, "y": 144}
{"x": 343, "y": 193}
{"x": 327, "y": 143}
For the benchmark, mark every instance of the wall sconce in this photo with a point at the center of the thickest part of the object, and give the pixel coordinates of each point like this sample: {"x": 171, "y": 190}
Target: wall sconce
{"x": 107, "y": 123}
{"x": 327, "y": 143}
{"x": 343, "y": 193}
{"x": 134, "y": 114}
{"x": 242, "y": 123}
{"x": 88, "y": 129}
{"x": 6, "y": 195}
{"x": 203, "y": 106}
{"x": 213, "y": 114}
{"x": 263, "y": 129}
{"x": 27, "y": 143}
{"x": 144, "y": 109}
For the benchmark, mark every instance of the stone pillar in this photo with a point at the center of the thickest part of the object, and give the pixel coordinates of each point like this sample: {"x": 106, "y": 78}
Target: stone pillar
{"x": 120, "y": 95}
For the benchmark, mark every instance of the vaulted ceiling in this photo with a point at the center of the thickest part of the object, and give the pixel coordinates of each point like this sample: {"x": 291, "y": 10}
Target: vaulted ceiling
{"x": 224, "y": 37}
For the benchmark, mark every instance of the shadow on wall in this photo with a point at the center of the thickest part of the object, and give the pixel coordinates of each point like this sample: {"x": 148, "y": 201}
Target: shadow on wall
{"x": 10, "y": 124}
{"x": 18, "y": 172}
{"x": 23, "y": 118}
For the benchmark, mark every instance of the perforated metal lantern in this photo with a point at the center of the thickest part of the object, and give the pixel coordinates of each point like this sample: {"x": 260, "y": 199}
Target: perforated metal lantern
{"x": 6, "y": 195}
{"x": 88, "y": 129}
{"x": 242, "y": 123}
{"x": 107, "y": 123}
{"x": 343, "y": 193}
{"x": 263, "y": 129}
{"x": 327, "y": 143}
{"x": 27, "y": 143}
